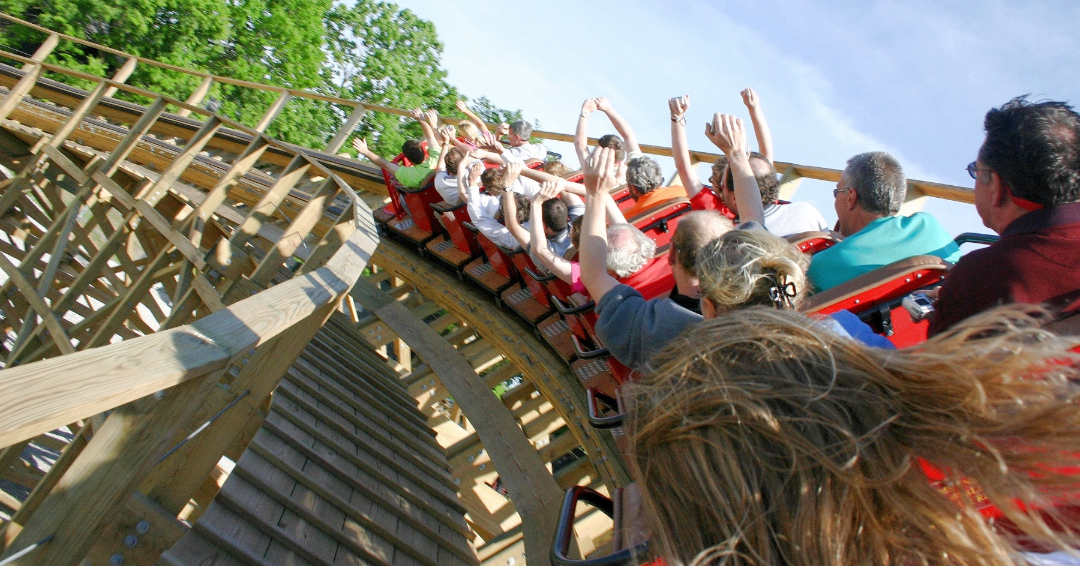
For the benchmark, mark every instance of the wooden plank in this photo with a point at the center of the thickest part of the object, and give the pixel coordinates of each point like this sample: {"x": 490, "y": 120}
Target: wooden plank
{"x": 197, "y": 95}
{"x": 346, "y": 130}
{"x": 273, "y": 111}
{"x": 384, "y": 497}
{"x": 32, "y": 72}
{"x": 362, "y": 454}
{"x": 419, "y": 453}
{"x": 45, "y": 486}
{"x": 369, "y": 478}
{"x": 532, "y": 489}
{"x": 295, "y": 234}
{"x": 122, "y": 74}
{"x": 172, "y": 484}
{"x": 104, "y": 475}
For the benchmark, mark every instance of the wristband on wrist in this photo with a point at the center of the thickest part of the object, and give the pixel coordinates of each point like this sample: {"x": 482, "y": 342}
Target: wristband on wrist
{"x": 679, "y": 120}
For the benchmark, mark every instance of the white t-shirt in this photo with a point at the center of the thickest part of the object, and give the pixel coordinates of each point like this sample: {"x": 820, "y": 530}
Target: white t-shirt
{"x": 522, "y": 185}
{"x": 527, "y": 151}
{"x": 787, "y": 219}
{"x": 482, "y": 209}
{"x": 446, "y": 184}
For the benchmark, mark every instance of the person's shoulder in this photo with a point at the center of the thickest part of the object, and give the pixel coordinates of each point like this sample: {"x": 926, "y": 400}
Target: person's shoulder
{"x": 923, "y": 220}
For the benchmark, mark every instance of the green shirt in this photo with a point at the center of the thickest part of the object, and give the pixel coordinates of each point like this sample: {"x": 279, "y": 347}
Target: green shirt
{"x": 880, "y": 243}
{"x": 411, "y": 177}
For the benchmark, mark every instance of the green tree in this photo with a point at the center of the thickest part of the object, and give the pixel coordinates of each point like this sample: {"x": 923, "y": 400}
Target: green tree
{"x": 383, "y": 55}
{"x": 371, "y": 51}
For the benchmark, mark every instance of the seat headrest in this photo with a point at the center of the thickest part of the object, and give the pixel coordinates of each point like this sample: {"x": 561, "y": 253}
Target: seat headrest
{"x": 874, "y": 279}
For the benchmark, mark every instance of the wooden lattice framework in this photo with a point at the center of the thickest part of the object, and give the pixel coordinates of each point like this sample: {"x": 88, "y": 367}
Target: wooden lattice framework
{"x": 163, "y": 264}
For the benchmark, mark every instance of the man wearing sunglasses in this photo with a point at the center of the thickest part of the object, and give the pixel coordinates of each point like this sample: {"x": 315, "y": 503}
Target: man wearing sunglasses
{"x": 1027, "y": 189}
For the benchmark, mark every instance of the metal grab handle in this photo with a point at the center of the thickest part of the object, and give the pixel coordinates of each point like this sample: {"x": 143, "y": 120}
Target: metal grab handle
{"x": 538, "y": 277}
{"x": 566, "y": 310}
{"x": 584, "y": 354}
{"x": 565, "y": 530}
{"x": 593, "y": 399}
{"x": 975, "y": 238}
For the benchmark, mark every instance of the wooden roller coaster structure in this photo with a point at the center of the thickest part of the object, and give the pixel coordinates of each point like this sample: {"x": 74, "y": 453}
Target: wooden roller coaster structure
{"x": 209, "y": 352}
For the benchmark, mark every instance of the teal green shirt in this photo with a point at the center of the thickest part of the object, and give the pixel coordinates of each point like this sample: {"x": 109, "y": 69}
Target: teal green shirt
{"x": 880, "y": 243}
{"x": 411, "y": 177}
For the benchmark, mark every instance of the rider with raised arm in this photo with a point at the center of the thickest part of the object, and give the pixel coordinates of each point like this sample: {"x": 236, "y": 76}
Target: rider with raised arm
{"x": 780, "y": 219}
{"x": 410, "y": 176}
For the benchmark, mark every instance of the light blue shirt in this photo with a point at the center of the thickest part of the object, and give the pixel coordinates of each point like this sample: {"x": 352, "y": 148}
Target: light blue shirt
{"x": 880, "y": 243}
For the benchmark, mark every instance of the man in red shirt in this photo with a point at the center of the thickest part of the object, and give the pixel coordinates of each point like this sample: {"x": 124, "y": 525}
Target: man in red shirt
{"x": 1027, "y": 189}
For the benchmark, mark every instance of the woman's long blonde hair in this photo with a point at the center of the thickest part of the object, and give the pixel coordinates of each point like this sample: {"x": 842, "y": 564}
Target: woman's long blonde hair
{"x": 764, "y": 439}
{"x": 748, "y": 267}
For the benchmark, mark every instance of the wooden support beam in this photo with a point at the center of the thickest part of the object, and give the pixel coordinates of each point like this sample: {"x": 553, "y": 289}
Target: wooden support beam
{"x": 152, "y": 194}
{"x": 122, "y": 74}
{"x": 105, "y": 474}
{"x": 173, "y": 483}
{"x": 197, "y": 95}
{"x": 268, "y": 204}
{"x": 45, "y": 486}
{"x": 31, "y": 73}
{"x": 346, "y": 130}
{"x": 532, "y": 489}
{"x": 52, "y": 324}
{"x": 141, "y": 127}
{"x": 273, "y": 111}
{"x": 789, "y": 183}
{"x": 295, "y": 234}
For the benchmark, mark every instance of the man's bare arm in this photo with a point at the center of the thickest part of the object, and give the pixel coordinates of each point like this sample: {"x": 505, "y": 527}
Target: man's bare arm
{"x": 680, "y": 150}
{"x": 599, "y": 172}
{"x": 728, "y": 134}
{"x": 558, "y": 266}
{"x": 360, "y": 145}
{"x": 581, "y": 136}
{"x": 425, "y": 124}
{"x": 472, "y": 116}
{"x": 511, "y": 222}
{"x": 543, "y": 177}
{"x": 761, "y": 127}
{"x": 621, "y": 125}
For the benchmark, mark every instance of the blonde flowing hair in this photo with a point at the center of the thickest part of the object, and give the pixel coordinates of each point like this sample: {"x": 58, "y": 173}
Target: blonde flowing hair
{"x": 748, "y": 267}
{"x": 764, "y": 439}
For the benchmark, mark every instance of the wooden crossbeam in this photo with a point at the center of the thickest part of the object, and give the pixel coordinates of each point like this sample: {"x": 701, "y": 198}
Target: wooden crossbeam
{"x": 32, "y": 71}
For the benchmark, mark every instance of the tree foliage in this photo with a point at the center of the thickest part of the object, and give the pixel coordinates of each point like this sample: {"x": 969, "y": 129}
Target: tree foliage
{"x": 370, "y": 51}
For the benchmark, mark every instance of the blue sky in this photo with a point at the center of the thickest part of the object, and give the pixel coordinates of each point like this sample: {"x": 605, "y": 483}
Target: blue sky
{"x": 836, "y": 78}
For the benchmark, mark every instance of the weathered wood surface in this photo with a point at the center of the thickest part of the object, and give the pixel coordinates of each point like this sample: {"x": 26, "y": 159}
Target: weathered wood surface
{"x": 532, "y": 489}
{"x": 332, "y": 478}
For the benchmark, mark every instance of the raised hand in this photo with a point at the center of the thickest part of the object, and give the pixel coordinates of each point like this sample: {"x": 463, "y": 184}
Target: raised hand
{"x": 360, "y": 145}
{"x": 599, "y": 171}
{"x": 446, "y": 133}
{"x": 602, "y": 104}
{"x": 727, "y": 133}
{"x": 548, "y": 191}
{"x": 750, "y": 98}
{"x": 513, "y": 169}
{"x": 588, "y": 106}
{"x": 476, "y": 167}
{"x": 462, "y": 106}
{"x": 490, "y": 142}
{"x": 417, "y": 114}
{"x": 678, "y": 106}
{"x": 432, "y": 117}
